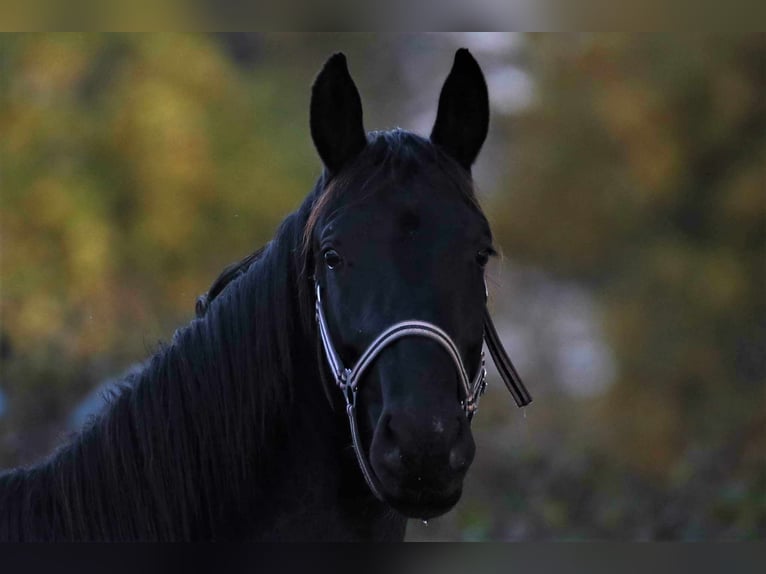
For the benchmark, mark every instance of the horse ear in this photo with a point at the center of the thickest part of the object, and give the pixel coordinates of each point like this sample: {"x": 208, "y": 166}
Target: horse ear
{"x": 463, "y": 117}
{"x": 336, "y": 115}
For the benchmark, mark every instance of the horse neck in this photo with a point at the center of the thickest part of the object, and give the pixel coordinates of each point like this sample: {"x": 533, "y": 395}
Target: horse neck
{"x": 177, "y": 453}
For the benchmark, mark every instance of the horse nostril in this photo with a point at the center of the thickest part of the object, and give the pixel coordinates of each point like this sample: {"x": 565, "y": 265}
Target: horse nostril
{"x": 461, "y": 426}
{"x": 457, "y": 459}
{"x": 393, "y": 459}
{"x": 388, "y": 430}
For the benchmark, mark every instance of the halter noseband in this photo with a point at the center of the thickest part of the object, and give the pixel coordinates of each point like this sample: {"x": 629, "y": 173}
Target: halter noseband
{"x": 347, "y": 380}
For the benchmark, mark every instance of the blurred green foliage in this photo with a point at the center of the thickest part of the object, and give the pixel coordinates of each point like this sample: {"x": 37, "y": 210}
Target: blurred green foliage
{"x": 133, "y": 168}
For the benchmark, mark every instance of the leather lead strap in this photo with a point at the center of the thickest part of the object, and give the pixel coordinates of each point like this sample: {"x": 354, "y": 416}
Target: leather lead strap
{"x": 503, "y": 362}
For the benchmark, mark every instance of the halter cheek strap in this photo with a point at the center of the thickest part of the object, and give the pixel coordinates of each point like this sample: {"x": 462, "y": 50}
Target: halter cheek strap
{"x": 347, "y": 380}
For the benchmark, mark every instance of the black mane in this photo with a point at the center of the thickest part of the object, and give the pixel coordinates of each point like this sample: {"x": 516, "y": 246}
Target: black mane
{"x": 176, "y": 463}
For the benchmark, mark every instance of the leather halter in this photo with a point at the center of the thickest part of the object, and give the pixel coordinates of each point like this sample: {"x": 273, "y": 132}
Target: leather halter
{"x": 347, "y": 379}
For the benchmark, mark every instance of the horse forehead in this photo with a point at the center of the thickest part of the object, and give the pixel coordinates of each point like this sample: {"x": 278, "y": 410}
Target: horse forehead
{"x": 410, "y": 209}
{"x": 418, "y": 229}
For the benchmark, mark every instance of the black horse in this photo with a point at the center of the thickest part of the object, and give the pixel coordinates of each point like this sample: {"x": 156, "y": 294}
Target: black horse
{"x": 226, "y": 432}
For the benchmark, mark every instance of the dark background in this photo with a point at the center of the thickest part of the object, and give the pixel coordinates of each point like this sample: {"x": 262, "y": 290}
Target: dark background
{"x": 624, "y": 180}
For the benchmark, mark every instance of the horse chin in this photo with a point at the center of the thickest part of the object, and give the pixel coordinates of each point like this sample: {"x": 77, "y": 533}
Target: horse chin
{"x": 424, "y": 504}
{"x": 425, "y": 507}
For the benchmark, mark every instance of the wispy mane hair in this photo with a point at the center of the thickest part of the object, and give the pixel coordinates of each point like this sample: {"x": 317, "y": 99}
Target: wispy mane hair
{"x": 171, "y": 442}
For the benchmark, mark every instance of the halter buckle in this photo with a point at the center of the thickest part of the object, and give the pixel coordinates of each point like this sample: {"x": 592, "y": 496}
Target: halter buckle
{"x": 349, "y": 391}
{"x": 343, "y": 377}
{"x": 470, "y": 407}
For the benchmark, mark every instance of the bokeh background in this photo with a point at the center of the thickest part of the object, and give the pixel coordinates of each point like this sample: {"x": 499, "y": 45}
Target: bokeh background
{"x": 624, "y": 179}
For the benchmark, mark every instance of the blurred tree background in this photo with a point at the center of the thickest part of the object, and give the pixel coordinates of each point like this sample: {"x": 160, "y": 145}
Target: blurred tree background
{"x": 624, "y": 179}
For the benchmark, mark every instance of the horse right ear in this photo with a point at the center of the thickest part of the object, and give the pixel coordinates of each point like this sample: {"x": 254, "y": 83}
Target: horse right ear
{"x": 462, "y": 120}
{"x": 336, "y": 115}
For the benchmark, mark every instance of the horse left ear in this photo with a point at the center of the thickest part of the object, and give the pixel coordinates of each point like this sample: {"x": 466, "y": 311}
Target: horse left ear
{"x": 463, "y": 117}
{"x": 336, "y": 115}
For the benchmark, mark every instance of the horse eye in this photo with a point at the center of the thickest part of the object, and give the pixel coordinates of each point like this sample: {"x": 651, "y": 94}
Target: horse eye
{"x": 482, "y": 257}
{"x": 332, "y": 258}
